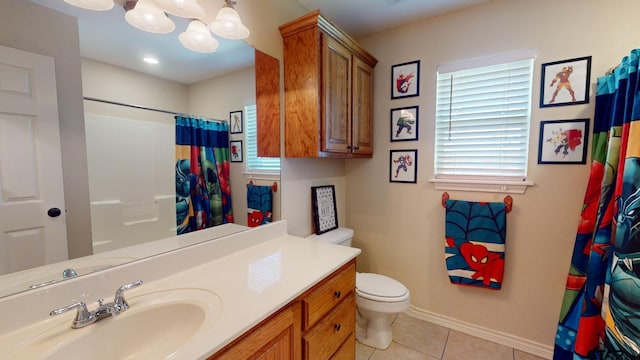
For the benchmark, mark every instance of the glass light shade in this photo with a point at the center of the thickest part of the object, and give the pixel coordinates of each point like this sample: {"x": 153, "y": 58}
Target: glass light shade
{"x": 198, "y": 38}
{"x": 92, "y": 4}
{"x": 147, "y": 17}
{"x": 189, "y": 9}
{"x": 228, "y": 25}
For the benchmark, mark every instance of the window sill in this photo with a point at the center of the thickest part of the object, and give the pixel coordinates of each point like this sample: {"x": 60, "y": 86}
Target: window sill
{"x": 262, "y": 175}
{"x": 495, "y": 186}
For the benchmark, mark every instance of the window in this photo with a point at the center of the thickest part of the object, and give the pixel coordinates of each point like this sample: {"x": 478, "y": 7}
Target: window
{"x": 255, "y": 163}
{"x": 483, "y": 111}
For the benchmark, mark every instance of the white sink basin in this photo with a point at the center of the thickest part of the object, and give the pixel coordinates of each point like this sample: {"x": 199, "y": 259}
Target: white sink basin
{"x": 159, "y": 325}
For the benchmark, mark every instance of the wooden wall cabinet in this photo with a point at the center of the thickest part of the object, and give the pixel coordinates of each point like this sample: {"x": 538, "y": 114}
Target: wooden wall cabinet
{"x": 317, "y": 325}
{"x": 328, "y": 81}
{"x": 267, "y": 72}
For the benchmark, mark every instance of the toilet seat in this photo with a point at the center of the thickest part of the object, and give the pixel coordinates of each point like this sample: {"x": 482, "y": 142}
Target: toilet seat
{"x": 378, "y": 287}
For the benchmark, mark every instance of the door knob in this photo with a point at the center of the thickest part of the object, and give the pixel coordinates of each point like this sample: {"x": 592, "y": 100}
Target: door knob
{"x": 54, "y": 212}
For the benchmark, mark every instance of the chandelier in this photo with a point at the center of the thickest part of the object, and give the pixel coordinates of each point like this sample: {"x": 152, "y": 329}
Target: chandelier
{"x": 152, "y": 16}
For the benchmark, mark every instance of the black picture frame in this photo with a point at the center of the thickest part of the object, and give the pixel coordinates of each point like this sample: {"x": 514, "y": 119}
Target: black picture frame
{"x": 235, "y": 122}
{"x": 405, "y": 80}
{"x": 565, "y": 82}
{"x": 404, "y": 123}
{"x": 236, "y": 150}
{"x": 403, "y": 166}
{"x": 563, "y": 141}
{"x": 324, "y": 209}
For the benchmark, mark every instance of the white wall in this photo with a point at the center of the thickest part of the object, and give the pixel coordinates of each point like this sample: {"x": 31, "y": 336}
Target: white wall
{"x": 400, "y": 227}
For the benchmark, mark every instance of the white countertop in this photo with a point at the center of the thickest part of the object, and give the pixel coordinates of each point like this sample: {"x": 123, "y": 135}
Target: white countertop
{"x": 252, "y": 282}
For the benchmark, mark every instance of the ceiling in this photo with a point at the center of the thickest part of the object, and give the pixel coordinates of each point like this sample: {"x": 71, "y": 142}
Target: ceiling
{"x": 107, "y": 37}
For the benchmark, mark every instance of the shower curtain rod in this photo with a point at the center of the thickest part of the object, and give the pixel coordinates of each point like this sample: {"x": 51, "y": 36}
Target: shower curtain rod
{"x": 150, "y": 109}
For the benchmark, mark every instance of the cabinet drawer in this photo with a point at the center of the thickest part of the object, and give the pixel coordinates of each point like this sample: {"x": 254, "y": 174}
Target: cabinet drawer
{"x": 326, "y": 295}
{"x": 347, "y": 350}
{"x": 323, "y": 340}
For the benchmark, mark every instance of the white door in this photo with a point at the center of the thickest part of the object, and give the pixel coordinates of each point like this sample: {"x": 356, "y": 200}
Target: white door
{"x": 32, "y": 213}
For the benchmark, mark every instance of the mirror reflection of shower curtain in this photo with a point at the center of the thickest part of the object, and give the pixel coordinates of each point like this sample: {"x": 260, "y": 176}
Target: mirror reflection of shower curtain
{"x": 203, "y": 193}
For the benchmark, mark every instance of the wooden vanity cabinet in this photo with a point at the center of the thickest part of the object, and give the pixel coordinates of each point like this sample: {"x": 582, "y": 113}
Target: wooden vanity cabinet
{"x": 328, "y": 80}
{"x": 329, "y": 316}
{"x": 317, "y": 325}
{"x": 276, "y": 338}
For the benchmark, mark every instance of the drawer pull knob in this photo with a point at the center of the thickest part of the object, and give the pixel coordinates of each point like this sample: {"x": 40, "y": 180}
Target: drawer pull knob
{"x": 337, "y": 294}
{"x": 336, "y": 327}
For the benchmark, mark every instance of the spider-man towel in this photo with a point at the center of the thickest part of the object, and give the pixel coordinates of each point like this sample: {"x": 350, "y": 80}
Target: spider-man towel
{"x": 259, "y": 205}
{"x": 475, "y": 235}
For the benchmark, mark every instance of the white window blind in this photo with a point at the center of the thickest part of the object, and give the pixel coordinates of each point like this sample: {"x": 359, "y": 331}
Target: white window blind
{"x": 255, "y": 163}
{"x": 482, "y": 120}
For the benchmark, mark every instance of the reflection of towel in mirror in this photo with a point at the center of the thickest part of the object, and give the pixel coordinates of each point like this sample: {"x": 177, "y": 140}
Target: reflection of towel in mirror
{"x": 259, "y": 205}
{"x": 475, "y": 235}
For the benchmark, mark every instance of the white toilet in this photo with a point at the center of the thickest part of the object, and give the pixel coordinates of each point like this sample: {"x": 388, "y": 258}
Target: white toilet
{"x": 378, "y": 298}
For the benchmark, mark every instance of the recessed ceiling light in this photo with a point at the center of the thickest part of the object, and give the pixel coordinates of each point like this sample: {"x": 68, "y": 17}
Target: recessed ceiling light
{"x": 150, "y": 60}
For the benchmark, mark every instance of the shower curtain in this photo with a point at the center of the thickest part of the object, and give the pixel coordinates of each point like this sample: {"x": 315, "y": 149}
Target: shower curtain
{"x": 600, "y": 314}
{"x": 203, "y": 194}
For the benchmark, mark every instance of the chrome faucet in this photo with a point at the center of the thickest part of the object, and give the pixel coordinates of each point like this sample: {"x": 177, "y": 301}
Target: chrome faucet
{"x": 85, "y": 317}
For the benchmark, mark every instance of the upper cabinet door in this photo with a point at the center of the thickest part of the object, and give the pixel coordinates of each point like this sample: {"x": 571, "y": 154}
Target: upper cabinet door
{"x": 362, "y": 116}
{"x": 336, "y": 130}
{"x": 328, "y": 81}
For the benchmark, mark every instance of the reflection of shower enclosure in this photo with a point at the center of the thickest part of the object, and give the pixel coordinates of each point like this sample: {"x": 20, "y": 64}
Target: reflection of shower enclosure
{"x": 131, "y": 179}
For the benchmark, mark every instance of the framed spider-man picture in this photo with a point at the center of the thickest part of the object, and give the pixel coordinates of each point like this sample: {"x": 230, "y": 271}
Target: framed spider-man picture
{"x": 405, "y": 80}
{"x": 563, "y": 141}
{"x": 235, "y": 150}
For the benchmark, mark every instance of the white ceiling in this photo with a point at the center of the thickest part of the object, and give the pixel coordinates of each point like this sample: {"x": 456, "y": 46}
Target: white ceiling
{"x": 364, "y": 17}
{"x": 107, "y": 37}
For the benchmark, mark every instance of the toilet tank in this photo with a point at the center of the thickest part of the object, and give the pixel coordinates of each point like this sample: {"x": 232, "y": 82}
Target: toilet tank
{"x": 340, "y": 236}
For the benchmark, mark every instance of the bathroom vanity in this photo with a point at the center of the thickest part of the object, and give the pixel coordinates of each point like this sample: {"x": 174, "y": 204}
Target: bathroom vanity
{"x": 258, "y": 292}
{"x": 322, "y": 320}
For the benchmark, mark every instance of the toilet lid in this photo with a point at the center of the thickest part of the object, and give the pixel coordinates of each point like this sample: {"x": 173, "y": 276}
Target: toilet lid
{"x": 378, "y": 285}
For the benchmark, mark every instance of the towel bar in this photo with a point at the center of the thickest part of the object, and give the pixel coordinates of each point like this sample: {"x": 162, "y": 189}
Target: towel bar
{"x": 508, "y": 201}
{"x": 274, "y": 187}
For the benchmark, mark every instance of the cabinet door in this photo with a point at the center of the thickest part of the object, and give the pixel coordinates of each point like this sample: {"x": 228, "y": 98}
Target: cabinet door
{"x": 277, "y": 338}
{"x": 336, "y": 106}
{"x": 362, "y": 108}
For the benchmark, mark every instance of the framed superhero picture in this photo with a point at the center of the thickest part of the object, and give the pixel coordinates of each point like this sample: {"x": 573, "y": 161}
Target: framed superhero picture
{"x": 235, "y": 122}
{"x": 235, "y": 149}
{"x": 403, "y": 166}
{"x": 405, "y": 80}
{"x": 563, "y": 141}
{"x": 565, "y": 82}
{"x": 404, "y": 124}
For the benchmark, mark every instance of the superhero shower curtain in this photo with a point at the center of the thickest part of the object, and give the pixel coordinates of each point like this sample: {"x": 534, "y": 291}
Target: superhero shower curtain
{"x": 203, "y": 194}
{"x": 600, "y": 314}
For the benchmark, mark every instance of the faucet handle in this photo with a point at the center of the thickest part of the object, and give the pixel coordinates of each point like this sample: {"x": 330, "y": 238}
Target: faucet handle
{"x": 119, "y": 302}
{"x": 83, "y": 316}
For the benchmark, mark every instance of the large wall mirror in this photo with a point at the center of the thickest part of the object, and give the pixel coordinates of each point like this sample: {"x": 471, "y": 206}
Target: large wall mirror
{"x": 130, "y": 150}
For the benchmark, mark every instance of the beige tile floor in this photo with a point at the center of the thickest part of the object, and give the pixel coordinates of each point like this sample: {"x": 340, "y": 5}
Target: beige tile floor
{"x": 415, "y": 339}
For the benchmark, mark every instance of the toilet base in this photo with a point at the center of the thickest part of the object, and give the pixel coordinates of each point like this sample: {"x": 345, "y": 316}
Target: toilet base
{"x": 374, "y": 331}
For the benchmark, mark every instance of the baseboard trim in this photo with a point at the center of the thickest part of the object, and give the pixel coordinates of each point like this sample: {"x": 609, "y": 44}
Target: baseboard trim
{"x": 528, "y": 346}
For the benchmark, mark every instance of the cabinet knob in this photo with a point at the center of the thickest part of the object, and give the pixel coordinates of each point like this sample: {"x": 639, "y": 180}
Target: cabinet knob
{"x": 337, "y": 294}
{"x": 349, "y": 147}
{"x": 357, "y": 148}
{"x": 336, "y": 327}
